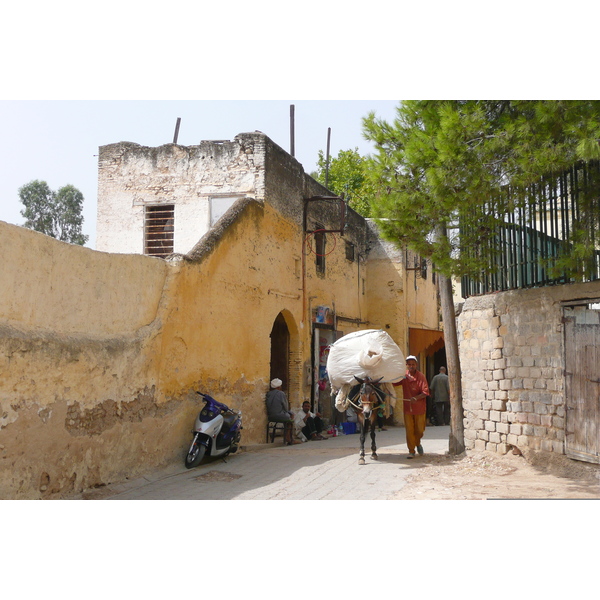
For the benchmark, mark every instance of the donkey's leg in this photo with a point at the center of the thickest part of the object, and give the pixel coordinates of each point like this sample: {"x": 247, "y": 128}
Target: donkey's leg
{"x": 373, "y": 432}
{"x": 361, "y": 458}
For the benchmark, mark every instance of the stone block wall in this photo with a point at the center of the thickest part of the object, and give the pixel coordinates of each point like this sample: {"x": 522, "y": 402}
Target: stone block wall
{"x": 512, "y": 359}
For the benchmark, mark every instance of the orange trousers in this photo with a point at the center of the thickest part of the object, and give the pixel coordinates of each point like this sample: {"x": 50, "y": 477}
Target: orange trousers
{"x": 415, "y": 428}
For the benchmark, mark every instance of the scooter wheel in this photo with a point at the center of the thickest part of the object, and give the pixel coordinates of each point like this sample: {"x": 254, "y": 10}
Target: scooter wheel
{"x": 195, "y": 456}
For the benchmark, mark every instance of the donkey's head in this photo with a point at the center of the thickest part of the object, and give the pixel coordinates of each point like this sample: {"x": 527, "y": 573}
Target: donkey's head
{"x": 367, "y": 397}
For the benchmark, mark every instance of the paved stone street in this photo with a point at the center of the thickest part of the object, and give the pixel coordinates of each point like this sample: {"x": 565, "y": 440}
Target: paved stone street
{"x": 323, "y": 470}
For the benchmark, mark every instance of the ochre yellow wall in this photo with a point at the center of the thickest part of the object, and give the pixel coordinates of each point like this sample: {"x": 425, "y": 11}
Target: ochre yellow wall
{"x": 79, "y": 338}
{"x": 100, "y": 354}
{"x": 216, "y": 332}
{"x": 59, "y": 287}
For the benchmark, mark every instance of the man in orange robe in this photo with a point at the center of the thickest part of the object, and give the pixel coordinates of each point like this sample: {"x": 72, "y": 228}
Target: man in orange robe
{"x": 415, "y": 391}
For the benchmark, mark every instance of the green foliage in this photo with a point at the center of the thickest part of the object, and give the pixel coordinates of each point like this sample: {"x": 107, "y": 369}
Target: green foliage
{"x": 57, "y": 214}
{"x": 347, "y": 176}
{"x": 441, "y": 163}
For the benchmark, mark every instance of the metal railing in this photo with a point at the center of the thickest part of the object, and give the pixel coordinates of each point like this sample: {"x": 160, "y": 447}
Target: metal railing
{"x": 539, "y": 239}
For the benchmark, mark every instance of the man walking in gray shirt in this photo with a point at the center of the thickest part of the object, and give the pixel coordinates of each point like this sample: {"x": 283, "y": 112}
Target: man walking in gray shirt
{"x": 440, "y": 392}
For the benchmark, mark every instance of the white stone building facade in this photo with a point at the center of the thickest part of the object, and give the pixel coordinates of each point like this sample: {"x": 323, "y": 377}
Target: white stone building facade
{"x": 197, "y": 183}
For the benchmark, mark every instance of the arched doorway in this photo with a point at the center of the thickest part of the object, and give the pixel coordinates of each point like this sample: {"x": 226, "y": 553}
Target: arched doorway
{"x": 280, "y": 351}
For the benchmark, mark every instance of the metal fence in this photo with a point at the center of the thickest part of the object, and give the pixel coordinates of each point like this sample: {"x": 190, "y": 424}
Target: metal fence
{"x": 539, "y": 240}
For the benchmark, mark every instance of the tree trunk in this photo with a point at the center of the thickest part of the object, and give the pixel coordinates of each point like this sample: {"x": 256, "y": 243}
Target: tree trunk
{"x": 457, "y": 430}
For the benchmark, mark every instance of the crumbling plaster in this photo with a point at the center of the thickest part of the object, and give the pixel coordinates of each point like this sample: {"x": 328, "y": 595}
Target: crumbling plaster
{"x": 132, "y": 176}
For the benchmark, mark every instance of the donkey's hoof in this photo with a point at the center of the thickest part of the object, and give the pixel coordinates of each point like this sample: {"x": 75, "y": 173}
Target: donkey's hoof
{"x": 361, "y": 461}
{"x": 374, "y": 457}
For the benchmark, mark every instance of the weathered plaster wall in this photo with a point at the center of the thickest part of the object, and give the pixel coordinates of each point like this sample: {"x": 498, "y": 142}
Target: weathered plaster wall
{"x": 82, "y": 404}
{"x": 79, "y": 331}
{"x": 227, "y": 300}
{"x": 512, "y": 361}
{"x": 100, "y": 353}
{"x": 398, "y": 296}
{"x": 102, "y": 389}
{"x": 46, "y": 285}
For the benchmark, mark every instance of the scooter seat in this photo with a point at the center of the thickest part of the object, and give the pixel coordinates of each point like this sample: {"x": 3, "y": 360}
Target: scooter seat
{"x": 229, "y": 421}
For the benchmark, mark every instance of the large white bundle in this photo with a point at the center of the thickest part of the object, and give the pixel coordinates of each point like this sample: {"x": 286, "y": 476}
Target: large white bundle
{"x": 367, "y": 353}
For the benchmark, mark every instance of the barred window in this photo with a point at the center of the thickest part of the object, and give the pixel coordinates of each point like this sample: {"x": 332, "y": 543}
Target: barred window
{"x": 423, "y": 268}
{"x": 350, "y": 251}
{"x": 320, "y": 248}
{"x": 159, "y": 227}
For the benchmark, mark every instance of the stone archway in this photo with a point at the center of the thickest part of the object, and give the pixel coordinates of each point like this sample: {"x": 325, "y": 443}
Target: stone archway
{"x": 287, "y": 356}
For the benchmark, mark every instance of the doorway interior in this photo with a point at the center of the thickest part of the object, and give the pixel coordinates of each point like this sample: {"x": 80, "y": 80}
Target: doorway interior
{"x": 280, "y": 352}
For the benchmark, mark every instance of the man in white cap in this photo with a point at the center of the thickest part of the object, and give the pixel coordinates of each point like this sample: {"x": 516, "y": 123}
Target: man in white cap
{"x": 278, "y": 409}
{"x": 415, "y": 389}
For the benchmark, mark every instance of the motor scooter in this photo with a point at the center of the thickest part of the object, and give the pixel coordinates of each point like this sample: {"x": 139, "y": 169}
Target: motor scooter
{"x": 217, "y": 431}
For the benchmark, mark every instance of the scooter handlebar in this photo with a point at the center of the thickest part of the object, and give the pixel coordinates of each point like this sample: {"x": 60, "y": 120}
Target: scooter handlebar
{"x": 220, "y": 405}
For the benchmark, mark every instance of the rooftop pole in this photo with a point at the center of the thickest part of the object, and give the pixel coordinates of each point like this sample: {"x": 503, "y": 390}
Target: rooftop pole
{"x": 292, "y": 149}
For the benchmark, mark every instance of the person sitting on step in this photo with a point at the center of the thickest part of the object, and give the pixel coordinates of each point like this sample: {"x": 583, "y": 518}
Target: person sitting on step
{"x": 278, "y": 410}
{"x": 308, "y": 424}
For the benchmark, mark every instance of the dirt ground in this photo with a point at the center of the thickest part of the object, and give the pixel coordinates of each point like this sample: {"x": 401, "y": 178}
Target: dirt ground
{"x": 486, "y": 475}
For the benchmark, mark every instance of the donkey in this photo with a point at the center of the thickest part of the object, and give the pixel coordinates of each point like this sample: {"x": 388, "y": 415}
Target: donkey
{"x": 368, "y": 403}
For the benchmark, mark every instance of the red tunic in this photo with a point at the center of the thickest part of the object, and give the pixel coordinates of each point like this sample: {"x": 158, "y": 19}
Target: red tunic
{"x": 411, "y": 387}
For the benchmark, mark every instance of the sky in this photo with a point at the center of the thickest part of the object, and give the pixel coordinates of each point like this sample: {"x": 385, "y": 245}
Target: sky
{"x": 72, "y": 82}
{"x": 57, "y": 141}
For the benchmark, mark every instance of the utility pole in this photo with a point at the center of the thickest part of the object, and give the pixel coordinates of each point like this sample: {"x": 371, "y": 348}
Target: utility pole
{"x": 292, "y": 149}
{"x": 327, "y": 158}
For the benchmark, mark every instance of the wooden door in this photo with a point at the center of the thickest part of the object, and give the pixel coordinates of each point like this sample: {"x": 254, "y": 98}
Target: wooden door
{"x": 582, "y": 381}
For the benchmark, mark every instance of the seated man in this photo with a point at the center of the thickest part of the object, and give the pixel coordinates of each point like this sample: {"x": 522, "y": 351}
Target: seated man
{"x": 309, "y": 424}
{"x": 278, "y": 410}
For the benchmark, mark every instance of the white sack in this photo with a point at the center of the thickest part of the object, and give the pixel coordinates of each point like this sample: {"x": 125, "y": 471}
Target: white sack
{"x": 341, "y": 400}
{"x": 390, "y": 392}
{"x": 367, "y": 353}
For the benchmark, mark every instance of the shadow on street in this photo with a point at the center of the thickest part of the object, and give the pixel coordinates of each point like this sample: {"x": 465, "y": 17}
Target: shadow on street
{"x": 325, "y": 469}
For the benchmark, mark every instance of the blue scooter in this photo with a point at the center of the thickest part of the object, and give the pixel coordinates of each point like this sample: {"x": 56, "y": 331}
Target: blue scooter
{"x": 217, "y": 431}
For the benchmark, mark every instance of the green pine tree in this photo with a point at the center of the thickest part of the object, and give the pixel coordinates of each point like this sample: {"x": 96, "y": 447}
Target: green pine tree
{"x": 445, "y": 163}
{"x": 442, "y": 164}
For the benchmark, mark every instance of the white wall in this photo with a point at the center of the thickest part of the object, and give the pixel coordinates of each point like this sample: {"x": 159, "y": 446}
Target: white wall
{"x": 196, "y": 179}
